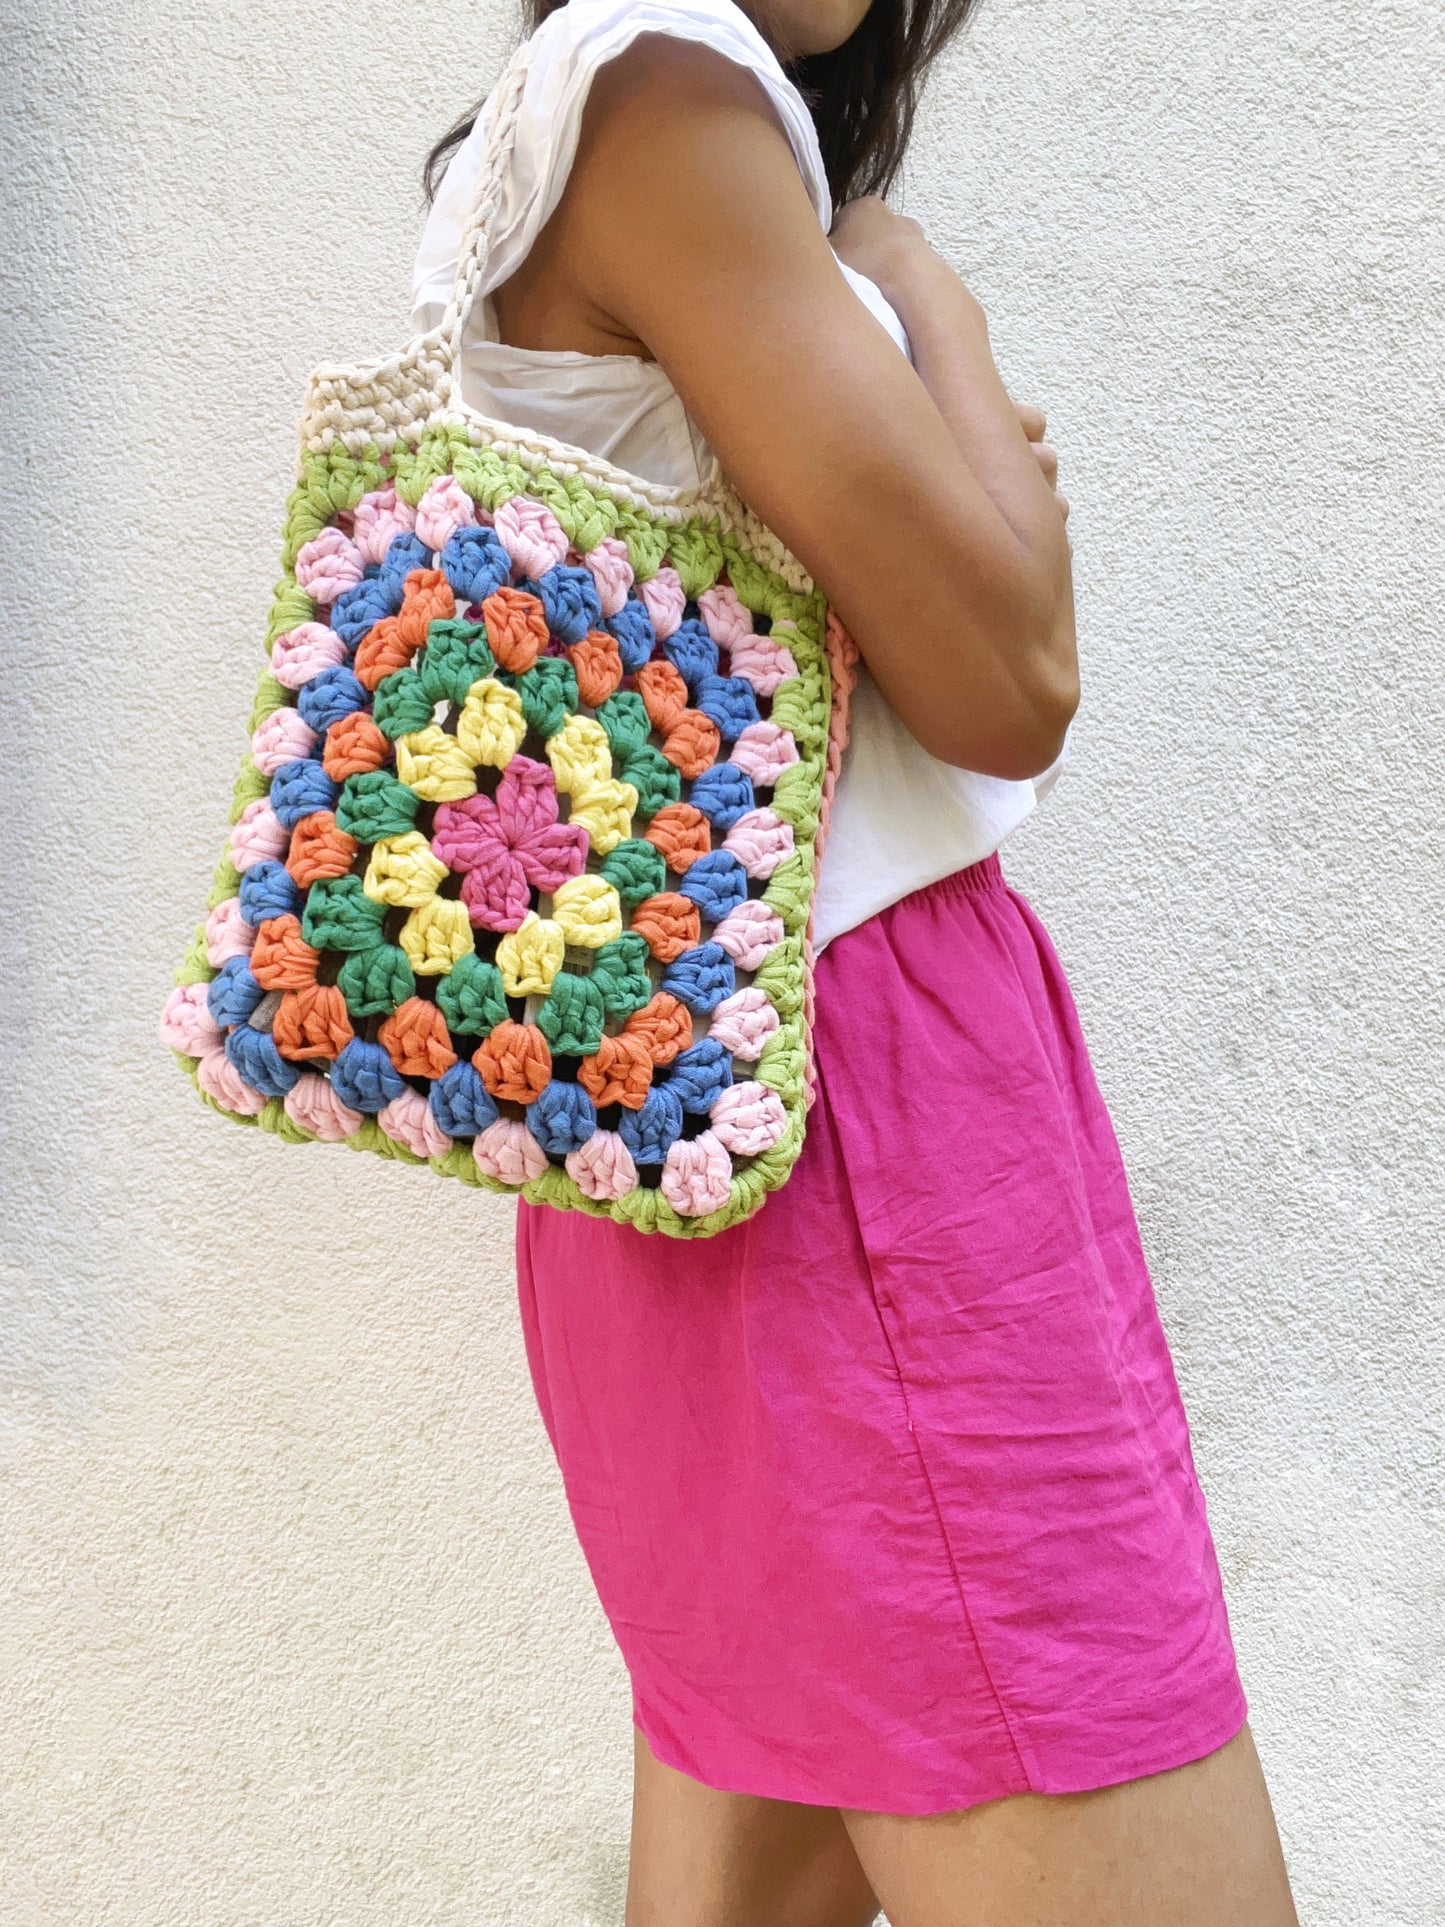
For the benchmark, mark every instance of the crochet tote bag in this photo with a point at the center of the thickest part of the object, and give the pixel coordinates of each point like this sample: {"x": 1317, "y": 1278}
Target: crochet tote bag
{"x": 522, "y": 856}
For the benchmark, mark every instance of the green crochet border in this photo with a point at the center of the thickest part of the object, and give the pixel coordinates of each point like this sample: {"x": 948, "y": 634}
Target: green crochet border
{"x": 699, "y": 550}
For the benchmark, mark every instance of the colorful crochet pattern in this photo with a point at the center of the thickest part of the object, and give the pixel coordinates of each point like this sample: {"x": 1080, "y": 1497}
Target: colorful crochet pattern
{"x": 523, "y": 853}
{"x": 522, "y": 858}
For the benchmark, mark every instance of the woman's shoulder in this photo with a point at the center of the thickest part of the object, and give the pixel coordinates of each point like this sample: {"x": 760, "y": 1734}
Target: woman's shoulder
{"x": 566, "y": 51}
{"x": 604, "y": 27}
{"x": 560, "y": 62}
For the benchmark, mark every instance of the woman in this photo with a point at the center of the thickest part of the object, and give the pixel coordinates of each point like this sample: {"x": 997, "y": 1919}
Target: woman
{"x": 887, "y": 1492}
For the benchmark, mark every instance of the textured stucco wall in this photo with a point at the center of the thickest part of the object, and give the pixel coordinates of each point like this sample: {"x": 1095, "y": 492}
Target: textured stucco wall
{"x": 293, "y": 1629}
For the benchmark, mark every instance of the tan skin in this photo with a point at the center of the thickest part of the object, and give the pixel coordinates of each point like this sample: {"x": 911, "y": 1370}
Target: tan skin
{"x": 925, "y": 501}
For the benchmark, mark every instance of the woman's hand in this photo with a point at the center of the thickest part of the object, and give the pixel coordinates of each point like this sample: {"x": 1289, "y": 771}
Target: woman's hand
{"x": 889, "y": 248}
{"x": 878, "y": 242}
{"x": 1033, "y": 422}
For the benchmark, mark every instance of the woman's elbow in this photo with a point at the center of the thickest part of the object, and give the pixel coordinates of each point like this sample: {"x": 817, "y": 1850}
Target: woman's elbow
{"x": 1020, "y": 732}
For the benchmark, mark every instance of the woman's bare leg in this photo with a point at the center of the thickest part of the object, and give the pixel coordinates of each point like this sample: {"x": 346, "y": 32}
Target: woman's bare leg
{"x": 1193, "y": 1848}
{"x": 701, "y": 1858}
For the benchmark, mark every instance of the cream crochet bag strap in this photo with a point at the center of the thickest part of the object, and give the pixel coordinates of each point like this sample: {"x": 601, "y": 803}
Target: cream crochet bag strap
{"x": 520, "y": 875}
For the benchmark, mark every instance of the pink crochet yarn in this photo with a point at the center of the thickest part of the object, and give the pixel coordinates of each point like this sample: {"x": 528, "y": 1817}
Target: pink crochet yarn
{"x": 328, "y": 564}
{"x": 380, "y": 517}
{"x": 227, "y": 933}
{"x": 187, "y": 1024}
{"x": 749, "y": 932}
{"x": 764, "y": 751}
{"x": 611, "y": 572}
{"x": 409, "y": 1120}
{"x": 760, "y": 841}
{"x": 508, "y": 1151}
{"x": 314, "y": 1105}
{"x": 744, "y": 1022}
{"x": 257, "y": 836}
{"x": 665, "y": 601}
{"x": 509, "y": 844}
{"x": 762, "y": 662}
{"x": 603, "y": 1168}
{"x": 445, "y": 508}
{"x": 748, "y": 1119}
{"x": 697, "y": 1175}
{"x": 282, "y": 737}
{"x": 531, "y": 535}
{"x": 305, "y": 651}
{"x": 219, "y": 1078}
{"x": 728, "y": 622}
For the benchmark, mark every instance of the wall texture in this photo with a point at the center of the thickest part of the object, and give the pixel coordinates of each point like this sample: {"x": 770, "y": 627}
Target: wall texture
{"x": 294, "y": 1629}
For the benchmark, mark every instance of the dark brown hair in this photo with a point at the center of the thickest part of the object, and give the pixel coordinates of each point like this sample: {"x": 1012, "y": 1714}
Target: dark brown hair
{"x": 862, "y": 95}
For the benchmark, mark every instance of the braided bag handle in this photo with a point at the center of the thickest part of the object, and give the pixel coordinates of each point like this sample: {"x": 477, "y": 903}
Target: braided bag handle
{"x": 482, "y": 212}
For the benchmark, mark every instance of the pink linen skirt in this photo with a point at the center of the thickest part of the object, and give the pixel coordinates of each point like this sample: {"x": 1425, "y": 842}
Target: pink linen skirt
{"x": 887, "y": 1493}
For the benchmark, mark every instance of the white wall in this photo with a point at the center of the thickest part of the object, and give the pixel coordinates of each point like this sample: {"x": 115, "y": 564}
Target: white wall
{"x": 294, "y": 1628}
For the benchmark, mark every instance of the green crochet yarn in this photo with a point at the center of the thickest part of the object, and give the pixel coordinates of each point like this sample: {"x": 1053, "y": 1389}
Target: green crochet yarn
{"x": 270, "y": 696}
{"x": 696, "y": 552}
{"x": 779, "y": 974}
{"x": 572, "y": 1015}
{"x": 635, "y": 869}
{"x": 619, "y": 970}
{"x": 375, "y": 981}
{"x": 252, "y": 786}
{"x": 790, "y": 889}
{"x": 796, "y": 706}
{"x": 471, "y": 997}
{"x": 656, "y": 781}
{"x": 401, "y": 704}
{"x": 456, "y": 655}
{"x": 628, "y": 725}
{"x": 374, "y": 805}
{"x": 339, "y": 915}
{"x": 549, "y": 694}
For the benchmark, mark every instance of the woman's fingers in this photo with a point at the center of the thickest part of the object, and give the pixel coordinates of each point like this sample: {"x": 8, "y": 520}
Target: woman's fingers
{"x": 1032, "y": 420}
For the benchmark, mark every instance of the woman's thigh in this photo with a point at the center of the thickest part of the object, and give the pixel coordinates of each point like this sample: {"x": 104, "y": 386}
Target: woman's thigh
{"x": 701, "y": 1858}
{"x": 1195, "y": 1847}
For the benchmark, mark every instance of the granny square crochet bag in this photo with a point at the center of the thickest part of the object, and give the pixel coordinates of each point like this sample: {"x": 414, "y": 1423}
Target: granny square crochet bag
{"x": 520, "y": 874}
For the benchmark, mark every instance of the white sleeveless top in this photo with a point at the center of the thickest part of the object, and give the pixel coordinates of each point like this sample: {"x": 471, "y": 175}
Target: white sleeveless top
{"x": 901, "y": 818}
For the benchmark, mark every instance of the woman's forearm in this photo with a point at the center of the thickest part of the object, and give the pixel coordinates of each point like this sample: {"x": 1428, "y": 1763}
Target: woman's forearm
{"x": 948, "y": 333}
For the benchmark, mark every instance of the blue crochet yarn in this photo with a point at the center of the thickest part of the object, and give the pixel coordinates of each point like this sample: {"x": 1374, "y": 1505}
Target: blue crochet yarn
{"x": 365, "y": 1077}
{"x": 693, "y": 651}
{"x": 234, "y": 994}
{"x": 267, "y": 890}
{"x": 330, "y": 696}
{"x": 475, "y": 563}
{"x": 701, "y": 977}
{"x": 407, "y": 552}
{"x": 723, "y": 794}
{"x": 569, "y": 596}
{"x": 355, "y": 611}
{"x": 700, "y": 1075}
{"x": 636, "y": 637}
{"x": 300, "y": 789}
{"x": 255, "y": 1056}
{"x": 461, "y": 1102}
{"x": 717, "y": 882}
{"x": 562, "y": 1117}
{"x": 650, "y": 1133}
{"x": 729, "y": 701}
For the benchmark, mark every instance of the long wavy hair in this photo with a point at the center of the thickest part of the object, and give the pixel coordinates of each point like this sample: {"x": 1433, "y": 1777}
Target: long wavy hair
{"x": 862, "y": 96}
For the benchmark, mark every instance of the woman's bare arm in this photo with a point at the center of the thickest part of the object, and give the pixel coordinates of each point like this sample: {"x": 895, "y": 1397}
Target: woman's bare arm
{"x": 913, "y": 496}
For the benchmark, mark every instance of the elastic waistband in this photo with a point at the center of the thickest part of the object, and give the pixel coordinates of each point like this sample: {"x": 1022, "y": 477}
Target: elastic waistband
{"x": 986, "y": 874}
